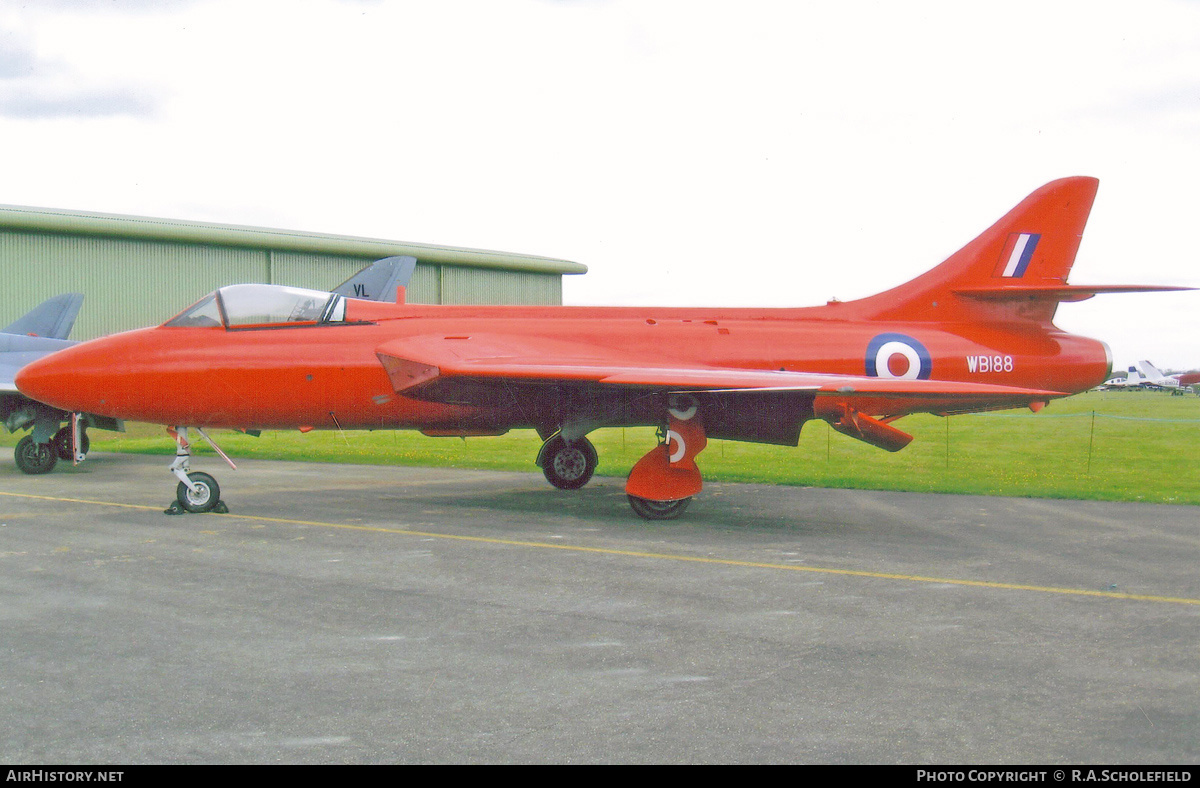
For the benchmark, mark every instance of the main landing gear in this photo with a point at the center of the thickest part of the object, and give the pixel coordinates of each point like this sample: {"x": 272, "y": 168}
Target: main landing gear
{"x": 657, "y": 510}
{"x": 568, "y": 465}
{"x": 197, "y": 492}
{"x": 34, "y": 457}
{"x": 661, "y": 484}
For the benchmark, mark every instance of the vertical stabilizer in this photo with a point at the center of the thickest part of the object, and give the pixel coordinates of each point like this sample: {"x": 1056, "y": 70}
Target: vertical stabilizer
{"x": 1150, "y": 371}
{"x": 1008, "y": 273}
{"x": 383, "y": 280}
{"x": 53, "y": 318}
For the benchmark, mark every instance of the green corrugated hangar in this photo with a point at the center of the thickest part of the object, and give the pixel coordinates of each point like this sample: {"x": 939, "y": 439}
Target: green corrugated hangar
{"x": 137, "y": 271}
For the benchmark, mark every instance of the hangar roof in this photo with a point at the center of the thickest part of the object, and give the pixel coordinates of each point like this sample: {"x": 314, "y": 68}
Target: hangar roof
{"x": 54, "y": 220}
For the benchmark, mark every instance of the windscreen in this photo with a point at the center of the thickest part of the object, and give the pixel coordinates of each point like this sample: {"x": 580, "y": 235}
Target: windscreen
{"x": 263, "y": 305}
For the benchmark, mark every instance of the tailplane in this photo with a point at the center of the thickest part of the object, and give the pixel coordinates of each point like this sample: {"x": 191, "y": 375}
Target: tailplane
{"x": 1015, "y": 271}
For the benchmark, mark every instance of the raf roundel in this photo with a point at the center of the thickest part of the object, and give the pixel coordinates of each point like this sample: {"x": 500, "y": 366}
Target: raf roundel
{"x": 898, "y": 356}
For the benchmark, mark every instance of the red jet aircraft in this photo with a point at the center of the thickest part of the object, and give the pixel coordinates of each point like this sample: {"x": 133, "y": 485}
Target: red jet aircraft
{"x": 975, "y": 333}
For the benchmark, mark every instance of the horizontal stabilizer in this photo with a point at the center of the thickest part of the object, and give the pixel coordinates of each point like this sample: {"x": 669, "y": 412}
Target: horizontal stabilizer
{"x": 1058, "y": 293}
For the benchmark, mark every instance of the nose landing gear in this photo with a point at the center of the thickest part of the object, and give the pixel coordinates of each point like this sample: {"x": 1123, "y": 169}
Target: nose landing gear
{"x": 204, "y": 494}
{"x": 197, "y": 492}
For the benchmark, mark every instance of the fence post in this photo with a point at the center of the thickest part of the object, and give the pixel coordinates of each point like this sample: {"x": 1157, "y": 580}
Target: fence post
{"x": 1091, "y": 442}
{"x": 947, "y": 442}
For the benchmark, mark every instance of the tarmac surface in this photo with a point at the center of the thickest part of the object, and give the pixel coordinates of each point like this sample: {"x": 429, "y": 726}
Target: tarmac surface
{"x": 351, "y": 614}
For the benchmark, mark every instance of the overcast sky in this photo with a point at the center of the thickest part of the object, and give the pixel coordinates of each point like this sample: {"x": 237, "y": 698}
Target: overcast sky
{"x": 751, "y": 153}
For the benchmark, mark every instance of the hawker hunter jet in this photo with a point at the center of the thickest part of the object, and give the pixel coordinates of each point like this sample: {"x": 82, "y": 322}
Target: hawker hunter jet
{"x": 975, "y": 333}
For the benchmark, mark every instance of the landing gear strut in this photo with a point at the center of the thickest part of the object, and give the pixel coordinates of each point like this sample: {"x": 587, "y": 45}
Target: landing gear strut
{"x": 197, "y": 492}
{"x": 567, "y": 465}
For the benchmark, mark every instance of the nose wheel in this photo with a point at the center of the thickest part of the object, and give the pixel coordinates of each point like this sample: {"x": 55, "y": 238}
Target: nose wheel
{"x": 197, "y": 492}
{"x": 203, "y": 496}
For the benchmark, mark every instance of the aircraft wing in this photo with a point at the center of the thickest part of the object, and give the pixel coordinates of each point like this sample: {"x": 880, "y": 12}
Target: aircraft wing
{"x": 8, "y": 373}
{"x": 428, "y": 366}
{"x": 17, "y": 350}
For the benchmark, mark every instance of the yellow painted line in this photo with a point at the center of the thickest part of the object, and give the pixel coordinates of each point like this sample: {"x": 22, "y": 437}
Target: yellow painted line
{"x": 659, "y": 556}
{"x": 81, "y": 500}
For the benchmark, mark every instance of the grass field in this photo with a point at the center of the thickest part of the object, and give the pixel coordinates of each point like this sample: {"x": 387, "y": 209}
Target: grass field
{"x": 1120, "y": 446}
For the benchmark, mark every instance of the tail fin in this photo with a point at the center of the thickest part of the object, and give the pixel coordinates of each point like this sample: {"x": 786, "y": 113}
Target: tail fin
{"x": 382, "y": 280}
{"x": 1016, "y": 270}
{"x": 1150, "y": 371}
{"x": 53, "y": 318}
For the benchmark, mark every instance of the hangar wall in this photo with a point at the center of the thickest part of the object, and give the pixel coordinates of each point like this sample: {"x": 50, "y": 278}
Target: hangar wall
{"x": 136, "y": 271}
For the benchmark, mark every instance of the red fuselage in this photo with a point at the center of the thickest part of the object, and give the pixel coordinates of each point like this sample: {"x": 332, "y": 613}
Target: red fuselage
{"x": 328, "y": 376}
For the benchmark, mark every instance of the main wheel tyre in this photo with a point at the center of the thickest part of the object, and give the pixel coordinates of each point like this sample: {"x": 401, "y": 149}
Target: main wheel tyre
{"x": 206, "y": 496}
{"x": 658, "y": 510}
{"x": 62, "y": 443}
{"x": 35, "y": 458}
{"x": 569, "y": 466}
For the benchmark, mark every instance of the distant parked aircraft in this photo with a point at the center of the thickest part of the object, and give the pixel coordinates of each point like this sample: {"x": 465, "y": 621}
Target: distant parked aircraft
{"x": 1177, "y": 383}
{"x": 1132, "y": 380}
{"x": 41, "y": 332}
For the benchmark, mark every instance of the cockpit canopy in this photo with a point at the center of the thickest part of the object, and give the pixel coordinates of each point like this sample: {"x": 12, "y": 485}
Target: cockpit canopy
{"x": 246, "y": 306}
